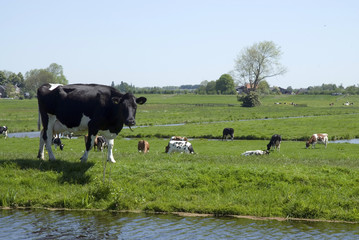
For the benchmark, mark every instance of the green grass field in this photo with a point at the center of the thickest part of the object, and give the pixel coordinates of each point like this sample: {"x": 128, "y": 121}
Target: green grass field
{"x": 293, "y": 183}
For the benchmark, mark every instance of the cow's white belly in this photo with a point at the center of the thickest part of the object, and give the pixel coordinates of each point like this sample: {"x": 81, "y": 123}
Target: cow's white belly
{"x": 61, "y": 128}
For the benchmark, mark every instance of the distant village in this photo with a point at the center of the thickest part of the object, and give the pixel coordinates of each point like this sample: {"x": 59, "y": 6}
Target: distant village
{"x": 20, "y": 93}
{"x": 18, "y": 86}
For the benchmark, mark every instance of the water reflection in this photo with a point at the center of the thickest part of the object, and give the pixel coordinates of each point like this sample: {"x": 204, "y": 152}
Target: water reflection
{"x": 42, "y": 224}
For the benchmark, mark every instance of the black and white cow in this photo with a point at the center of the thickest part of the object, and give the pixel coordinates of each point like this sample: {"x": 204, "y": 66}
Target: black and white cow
{"x": 255, "y": 152}
{"x": 56, "y": 141}
{"x": 84, "y": 107}
{"x": 101, "y": 143}
{"x": 228, "y": 132}
{"x": 179, "y": 146}
{"x": 275, "y": 142}
{"x": 3, "y": 131}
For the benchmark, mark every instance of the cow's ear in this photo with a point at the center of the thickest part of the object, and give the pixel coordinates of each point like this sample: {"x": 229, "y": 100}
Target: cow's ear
{"x": 116, "y": 100}
{"x": 141, "y": 100}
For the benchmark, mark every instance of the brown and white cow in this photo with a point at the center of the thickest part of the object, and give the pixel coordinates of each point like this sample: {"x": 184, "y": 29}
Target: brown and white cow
{"x": 178, "y": 138}
{"x": 317, "y": 138}
{"x": 100, "y": 142}
{"x": 143, "y": 146}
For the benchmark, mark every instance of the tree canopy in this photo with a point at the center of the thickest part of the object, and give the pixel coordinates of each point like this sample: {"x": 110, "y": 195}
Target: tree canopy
{"x": 259, "y": 62}
{"x": 36, "y": 77}
{"x": 225, "y": 84}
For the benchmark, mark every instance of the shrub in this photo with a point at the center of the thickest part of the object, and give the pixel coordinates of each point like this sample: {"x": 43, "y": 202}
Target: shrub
{"x": 250, "y": 100}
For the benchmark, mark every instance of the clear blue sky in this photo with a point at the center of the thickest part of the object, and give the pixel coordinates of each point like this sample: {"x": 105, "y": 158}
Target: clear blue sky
{"x": 171, "y": 43}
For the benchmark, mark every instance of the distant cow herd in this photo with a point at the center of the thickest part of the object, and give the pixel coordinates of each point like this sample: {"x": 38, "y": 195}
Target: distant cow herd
{"x": 102, "y": 111}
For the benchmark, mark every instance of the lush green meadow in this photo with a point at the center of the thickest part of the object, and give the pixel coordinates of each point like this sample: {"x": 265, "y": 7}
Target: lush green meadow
{"x": 293, "y": 183}
{"x": 205, "y": 116}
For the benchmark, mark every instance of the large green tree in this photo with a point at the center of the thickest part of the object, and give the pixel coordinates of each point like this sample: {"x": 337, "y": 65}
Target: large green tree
{"x": 225, "y": 84}
{"x": 58, "y": 72}
{"x": 3, "y": 79}
{"x": 256, "y": 64}
{"x": 36, "y": 77}
{"x": 211, "y": 87}
{"x": 259, "y": 62}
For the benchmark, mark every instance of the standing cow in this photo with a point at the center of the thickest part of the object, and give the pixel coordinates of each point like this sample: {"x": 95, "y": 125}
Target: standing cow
{"x": 274, "y": 142}
{"x": 179, "y": 146}
{"x": 228, "y": 132}
{"x": 84, "y": 107}
{"x": 3, "y": 131}
{"x": 317, "y": 138}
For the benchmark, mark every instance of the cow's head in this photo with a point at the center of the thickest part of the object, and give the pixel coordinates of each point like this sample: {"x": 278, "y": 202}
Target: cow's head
{"x": 307, "y": 144}
{"x": 128, "y": 106}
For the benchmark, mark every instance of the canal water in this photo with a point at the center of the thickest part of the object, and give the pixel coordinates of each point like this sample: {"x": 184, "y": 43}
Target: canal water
{"x": 44, "y": 224}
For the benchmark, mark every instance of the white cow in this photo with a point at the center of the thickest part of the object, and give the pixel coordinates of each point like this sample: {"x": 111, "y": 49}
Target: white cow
{"x": 255, "y": 152}
{"x": 179, "y": 146}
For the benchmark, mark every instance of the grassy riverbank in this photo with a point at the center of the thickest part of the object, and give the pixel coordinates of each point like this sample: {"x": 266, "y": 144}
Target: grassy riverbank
{"x": 296, "y": 182}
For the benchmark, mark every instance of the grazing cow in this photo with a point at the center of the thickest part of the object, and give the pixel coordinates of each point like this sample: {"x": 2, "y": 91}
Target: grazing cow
{"x": 85, "y": 107}
{"x": 56, "y": 141}
{"x": 178, "y": 138}
{"x": 228, "y": 132}
{"x": 3, "y": 131}
{"x": 101, "y": 143}
{"x": 143, "y": 146}
{"x": 255, "y": 152}
{"x": 179, "y": 146}
{"x": 274, "y": 142}
{"x": 317, "y": 138}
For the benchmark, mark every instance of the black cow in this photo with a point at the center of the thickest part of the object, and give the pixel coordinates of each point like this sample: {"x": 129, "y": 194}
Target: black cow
{"x": 275, "y": 142}
{"x": 3, "y": 131}
{"x": 84, "y": 107}
{"x": 228, "y": 132}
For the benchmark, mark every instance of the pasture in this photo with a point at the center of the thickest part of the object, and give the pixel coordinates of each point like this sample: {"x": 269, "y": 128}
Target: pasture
{"x": 293, "y": 183}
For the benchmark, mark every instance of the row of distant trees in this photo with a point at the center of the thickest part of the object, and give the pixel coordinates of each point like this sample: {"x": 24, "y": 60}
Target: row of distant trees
{"x": 33, "y": 79}
{"x": 252, "y": 68}
{"x": 209, "y": 88}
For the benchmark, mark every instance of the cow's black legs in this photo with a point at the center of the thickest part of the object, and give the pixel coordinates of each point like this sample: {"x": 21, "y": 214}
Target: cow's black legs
{"x": 89, "y": 144}
{"x": 41, "y": 154}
